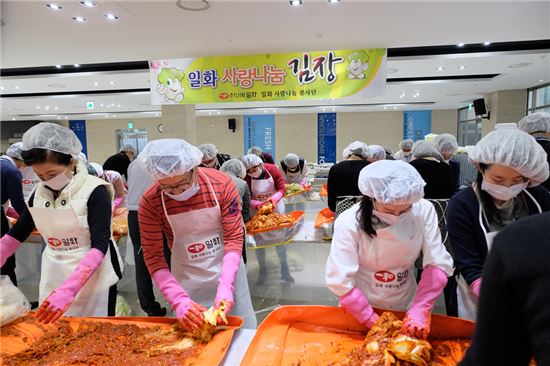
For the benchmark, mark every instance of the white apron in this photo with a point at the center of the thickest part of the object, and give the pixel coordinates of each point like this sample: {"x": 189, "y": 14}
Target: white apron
{"x": 294, "y": 177}
{"x": 197, "y": 255}
{"x": 262, "y": 190}
{"x": 466, "y": 299}
{"x": 389, "y": 280}
{"x": 68, "y": 242}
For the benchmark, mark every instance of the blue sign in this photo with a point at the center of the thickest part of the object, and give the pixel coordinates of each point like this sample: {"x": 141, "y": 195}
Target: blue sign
{"x": 79, "y": 128}
{"x": 259, "y": 130}
{"x": 326, "y": 138}
{"x": 416, "y": 124}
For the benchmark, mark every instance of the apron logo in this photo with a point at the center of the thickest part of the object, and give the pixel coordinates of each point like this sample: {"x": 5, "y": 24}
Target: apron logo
{"x": 196, "y": 248}
{"x": 26, "y": 181}
{"x": 54, "y": 242}
{"x": 384, "y": 276}
{"x": 262, "y": 196}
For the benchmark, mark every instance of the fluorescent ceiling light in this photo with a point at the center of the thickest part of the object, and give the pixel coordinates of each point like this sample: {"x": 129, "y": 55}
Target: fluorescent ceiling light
{"x": 440, "y": 68}
{"x": 461, "y": 67}
{"x": 54, "y": 6}
{"x": 460, "y": 45}
{"x": 111, "y": 16}
{"x": 76, "y": 65}
{"x": 333, "y": 1}
{"x": 79, "y": 19}
{"x": 88, "y": 4}
{"x": 58, "y": 66}
{"x": 486, "y": 43}
{"x": 295, "y": 2}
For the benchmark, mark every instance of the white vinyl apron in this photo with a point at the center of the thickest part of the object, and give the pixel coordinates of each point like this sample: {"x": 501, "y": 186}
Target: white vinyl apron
{"x": 67, "y": 243}
{"x": 197, "y": 255}
{"x": 389, "y": 280}
{"x": 262, "y": 190}
{"x": 466, "y": 299}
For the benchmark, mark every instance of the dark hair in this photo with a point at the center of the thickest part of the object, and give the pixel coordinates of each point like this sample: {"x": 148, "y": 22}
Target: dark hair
{"x": 37, "y": 156}
{"x": 364, "y": 216}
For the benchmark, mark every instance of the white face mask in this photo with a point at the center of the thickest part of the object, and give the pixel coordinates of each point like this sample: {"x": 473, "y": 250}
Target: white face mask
{"x": 185, "y": 195}
{"x": 256, "y": 173}
{"x": 502, "y": 192}
{"x": 390, "y": 219}
{"x": 58, "y": 182}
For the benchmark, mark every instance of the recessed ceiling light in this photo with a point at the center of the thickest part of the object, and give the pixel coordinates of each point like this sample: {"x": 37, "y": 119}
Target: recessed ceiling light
{"x": 58, "y": 66}
{"x": 66, "y": 117}
{"x": 101, "y": 105}
{"x": 461, "y": 67}
{"x": 541, "y": 80}
{"x": 210, "y": 113}
{"x": 333, "y": 1}
{"x": 520, "y": 65}
{"x": 76, "y": 65}
{"x": 118, "y": 105}
{"x": 54, "y": 6}
{"x": 440, "y": 68}
{"x": 394, "y": 108}
{"x": 111, "y": 16}
{"x": 112, "y": 82}
{"x": 106, "y": 116}
{"x": 460, "y": 45}
{"x": 114, "y": 115}
{"x": 295, "y": 2}
{"x": 219, "y": 112}
{"x": 58, "y": 117}
{"x": 385, "y": 108}
{"x": 486, "y": 43}
{"x": 13, "y": 119}
{"x": 37, "y": 107}
{"x": 333, "y": 109}
{"x": 80, "y": 19}
{"x": 88, "y": 4}
{"x": 1, "y": 87}
{"x": 55, "y": 108}
{"x": 16, "y": 87}
{"x": 96, "y": 83}
{"x": 46, "y": 107}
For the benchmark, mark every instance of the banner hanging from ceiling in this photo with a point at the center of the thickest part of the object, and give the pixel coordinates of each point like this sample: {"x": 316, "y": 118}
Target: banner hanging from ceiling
{"x": 269, "y": 77}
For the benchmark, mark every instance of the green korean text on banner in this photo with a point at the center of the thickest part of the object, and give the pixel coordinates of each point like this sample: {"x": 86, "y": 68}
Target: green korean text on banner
{"x": 289, "y": 76}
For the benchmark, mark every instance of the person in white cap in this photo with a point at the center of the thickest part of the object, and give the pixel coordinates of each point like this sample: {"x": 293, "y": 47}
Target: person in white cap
{"x": 376, "y": 152}
{"x": 266, "y": 184}
{"x": 405, "y": 152}
{"x": 198, "y": 210}
{"x": 11, "y": 189}
{"x": 294, "y": 169}
{"x": 264, "y": 155}
{"x": 72, "y": 211}
{"x": 375, "y": 245}
{"x": 447, "y": 145}
{"x": 511, "y": 165}
{"x": 211, "y": 158}
{"x": 439, "y": 177}
{"x": 342, "y": 176}
{"x": 538, "y": 125}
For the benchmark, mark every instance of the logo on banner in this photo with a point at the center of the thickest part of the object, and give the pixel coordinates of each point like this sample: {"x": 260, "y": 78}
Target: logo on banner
{"x": 196, "y": 248}
{"x": 384, "y": 276}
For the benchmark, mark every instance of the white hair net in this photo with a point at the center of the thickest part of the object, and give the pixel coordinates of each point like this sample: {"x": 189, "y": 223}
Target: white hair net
{"x": 535, "y": 122}
{"x": 391, "y": 181}
{"x": 406, "y": 144}
{"x": 128, "y": 148}
{"x": 376, "y": 152}
{"x": 82, "y": 157}
{"x": 251, "y": 160}
{"x": 209, "y": 151}
{"x": 15, "y": 150}
{"x": 50, "y": 136}
{"x": 169, "y": 157}
{"x": 98, "y": 169}
{"x": 357, "y": 148}
{"x": 291, "y": 160}
{"x": 234, "y": 167}
{"x": 446, "y": 143}
{"x": 426, "y": 149}
{"x": 515, "y": 149}
{"x": 256, "y": 150}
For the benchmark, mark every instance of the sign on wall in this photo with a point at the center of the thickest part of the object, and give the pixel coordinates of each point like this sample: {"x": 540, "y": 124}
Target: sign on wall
{"x": 326, "y": 138}
{"x": 259, "y": 130}
{"x": 268, "y": 77}
{"x": 79, "y": 128}
{"x": 416, "y": 124}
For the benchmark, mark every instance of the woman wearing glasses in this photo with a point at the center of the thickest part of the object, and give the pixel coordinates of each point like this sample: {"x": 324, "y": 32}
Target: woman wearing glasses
{"x": 198, "y": 210}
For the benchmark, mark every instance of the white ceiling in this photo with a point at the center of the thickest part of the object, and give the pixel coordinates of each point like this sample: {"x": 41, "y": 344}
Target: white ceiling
{"x": 37, "y": 36}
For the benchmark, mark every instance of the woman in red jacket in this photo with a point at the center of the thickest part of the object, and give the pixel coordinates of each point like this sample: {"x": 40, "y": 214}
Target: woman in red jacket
{"x": 266, "y": 184}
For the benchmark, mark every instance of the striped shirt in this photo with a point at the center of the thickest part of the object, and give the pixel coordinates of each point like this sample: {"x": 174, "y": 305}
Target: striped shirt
{"x": 153, "y": 223}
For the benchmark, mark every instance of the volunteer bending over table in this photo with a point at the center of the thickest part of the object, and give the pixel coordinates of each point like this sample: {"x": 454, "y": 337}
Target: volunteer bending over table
{"x": 294, "y": 169}
{"x": 511, "y": 166}
{"x": 72, "y": 211}
{"x": 198, "y": 211}
{"x": 375, "y": 245}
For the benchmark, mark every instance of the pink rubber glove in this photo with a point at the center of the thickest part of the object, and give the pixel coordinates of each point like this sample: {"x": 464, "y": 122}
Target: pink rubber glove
{"x": 188, "y": 312}
{"x": 8, "y": 246}
{"x": 276, "y": 197}
{"x": 12, "y": 213}
{"x": 476, "y": 287}
{"x": 62, "y": 297}
{"x": 256, "y": 204}
{"x": 418, "y": 318}
{"x": 358, "y": 305}
{"x": 230, "y": 266}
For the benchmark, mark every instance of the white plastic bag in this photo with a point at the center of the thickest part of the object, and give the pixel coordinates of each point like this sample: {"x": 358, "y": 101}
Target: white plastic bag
{"x": 13, "y": 304}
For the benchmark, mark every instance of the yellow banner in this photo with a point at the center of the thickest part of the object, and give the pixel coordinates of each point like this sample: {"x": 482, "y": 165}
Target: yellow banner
{"x": 288, "y": 76}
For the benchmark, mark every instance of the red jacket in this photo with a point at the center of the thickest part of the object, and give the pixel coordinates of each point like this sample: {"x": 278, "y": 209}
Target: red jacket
{"x": 277, "y": 177}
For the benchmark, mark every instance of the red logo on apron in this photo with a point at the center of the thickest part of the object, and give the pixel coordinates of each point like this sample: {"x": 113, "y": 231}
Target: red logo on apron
{"x": 26, "y": 181}
{"x": 384, "y": 276}
{"x": 54, "y": 242}
{"x": 196, "y": 248}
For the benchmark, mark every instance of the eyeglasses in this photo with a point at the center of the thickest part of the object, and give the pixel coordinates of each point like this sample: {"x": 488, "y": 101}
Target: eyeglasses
{"x": 184, "y": 183}
{"x": 250, "y": 170}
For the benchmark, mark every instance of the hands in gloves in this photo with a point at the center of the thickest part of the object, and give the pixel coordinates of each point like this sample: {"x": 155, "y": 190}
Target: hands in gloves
{"x": 357, "y": 304}
{"x": 8, "y": 246}
{"x": 230, "y": 266}
{"x": 476, "y": 287}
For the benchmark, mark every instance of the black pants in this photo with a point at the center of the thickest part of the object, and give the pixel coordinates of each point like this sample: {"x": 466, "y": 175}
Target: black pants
{"x": 8, "y": 268}
{"x": 144, "y": 284}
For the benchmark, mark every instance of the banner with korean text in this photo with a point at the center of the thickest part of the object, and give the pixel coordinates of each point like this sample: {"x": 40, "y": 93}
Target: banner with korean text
{"x": 289, "y": 76}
